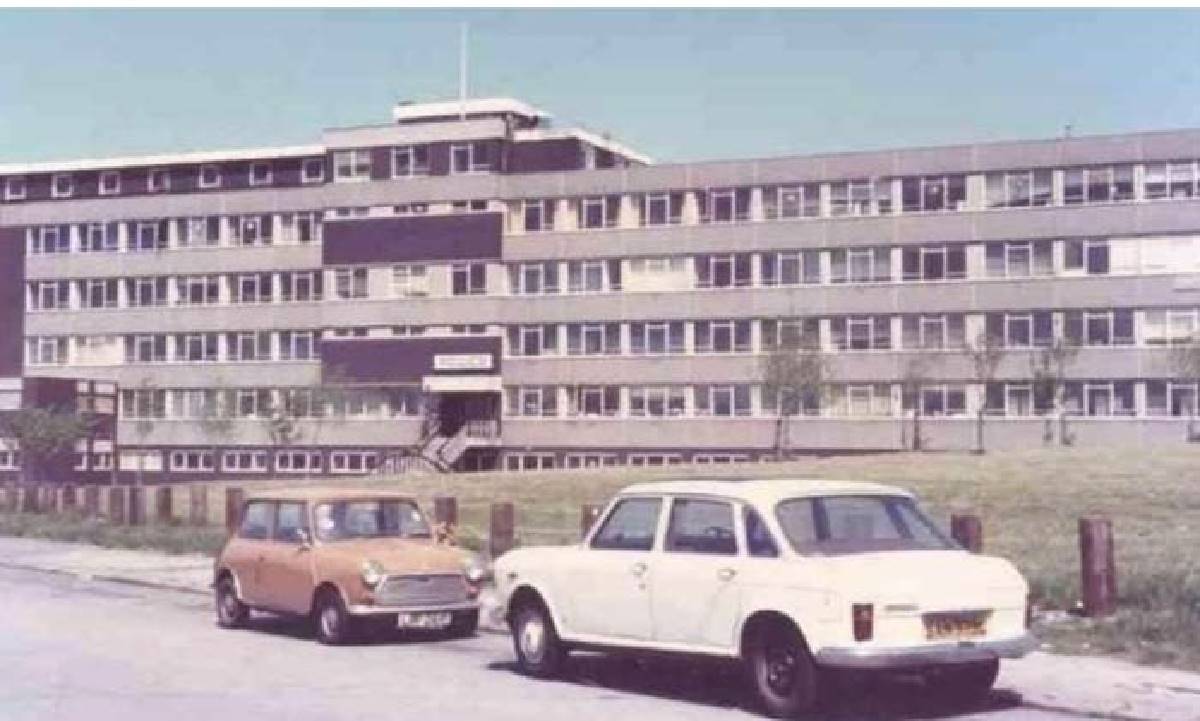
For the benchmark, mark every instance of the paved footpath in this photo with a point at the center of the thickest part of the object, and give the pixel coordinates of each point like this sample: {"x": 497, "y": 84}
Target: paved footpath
{"x": 61, "y": 595}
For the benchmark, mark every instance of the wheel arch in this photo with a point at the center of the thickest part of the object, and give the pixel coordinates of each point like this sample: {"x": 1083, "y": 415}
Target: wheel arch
{"x": 326, "y": 587}
{"x": 529, "y": 591}
{"x": 766, "y": 617}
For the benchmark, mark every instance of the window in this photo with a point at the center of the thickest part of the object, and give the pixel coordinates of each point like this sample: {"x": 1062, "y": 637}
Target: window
{"x": 1099, "y": 398}
{"x": 198, "y": 289}
{"x": 657, "y": 401}
{"x": 249, "y": 346}
{"x": 792, "y": 201}
{"x": 1099, "y": 328}
{"x": 148, "y": 236}
{"x": 49, "y": 239}
{"x": 198, "y": 232}
{"x": 50, "y": 295}
{"x": 15, "y": 187}
{"x": 1020, "y": 189}
{"x": 260, "y": 173}
{"x": 865, "y": 400}
{"x": 409, "y": 280}
{"x": 468, "y": 278}
{"x": 866, "y": 265}
{"x": 298, "y": 345}
{"x": 593, "y": 338}
{"x": 1090, "y": 257}
{"x": 300, "y": 228}
{"x": 532, "y": 401}
{"x": 1169, "y": 327}
{"x": 210, "y": 176}
{"x": 791, "y": 333}
{"x": 62, "y": 185}
{"x": 101, "y": 293}
{"x": 933, "y": 332}
{"x": 352, "y": 165}
{"x": 158, "y": 180}
{"x": 353, "y": 461}
{"x": 653, "y": 460}
{"x": 298, "y": 461}
{"x": 659, "y": 338}
{"x": 1104, "y": 184}
{"x": 727, "y": 336}
{"x": 1164, "y": 398}
{"x": 145, "y": 348}
{"x": 196, "y": 347}
{"x": 759, "y": 541}
{"x": 861, "y": 332}
{"x": 532, "y": 340}
{"x": 599, "y": 212}
{"x": 630, "y": 526}
{"x": 934, "y": 263}
{"x": 938, "y": 400}
{"x": 146, "y": 292}
{"x": 256, "y": 520}
{"x": 853, "y": 197}
{"x": 933, "y": 193}
{"x": 312, "y": 170}
{"x": 723, "y": 271}
{"x": 593, "y": 276}
{"x": 596, "y": 401}
{"x": 723, "y": 400}
{"x": 252, "y": 229}
{"x": 791, "y": 267}
{"x": 469, "y": 158}
{"x": 350, "y": 283}
{"x": 144, "y": 403}
{"x": 110, "y": 182}
{"x": 534, "y": 278}
{"x": 47, "y": 350}
{"x": 701, "y": 526}
{"x": 98, "y": 237}
{"x": 192, "y": 462}
{"x": 724, "y": 205}
{"x": 252, "y": 288}
{"x": 538, "y": 215}
{"x": 1019, "y": 259}
{"x": 410, "y": 160}
{"x": 660, "y": 208}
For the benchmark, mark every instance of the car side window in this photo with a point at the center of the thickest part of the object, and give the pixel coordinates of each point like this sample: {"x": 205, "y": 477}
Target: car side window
{"x": 758, "y": 537}
{"x": 701, "y": 526}
{"x": 290, "y": 519}
{"x": 256, "y": 520}
{"x": 630, "y": 526}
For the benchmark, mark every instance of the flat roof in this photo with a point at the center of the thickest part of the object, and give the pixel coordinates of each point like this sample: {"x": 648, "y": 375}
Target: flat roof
{"x": 139, "y": 161}
{"x": 403, "y": 112}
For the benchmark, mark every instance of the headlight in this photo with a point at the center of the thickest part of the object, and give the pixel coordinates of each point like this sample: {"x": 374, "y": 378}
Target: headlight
{"x": 372, "y": 573}
{"x": 475, "y": 572}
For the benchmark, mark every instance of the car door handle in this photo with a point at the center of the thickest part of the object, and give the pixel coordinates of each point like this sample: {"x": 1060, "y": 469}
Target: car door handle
{"x": 726, "y": 574}
{"x": 638, "y": 569}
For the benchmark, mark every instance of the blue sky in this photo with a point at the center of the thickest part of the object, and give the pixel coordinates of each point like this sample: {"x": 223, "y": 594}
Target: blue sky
{"x": 676, "y": 84}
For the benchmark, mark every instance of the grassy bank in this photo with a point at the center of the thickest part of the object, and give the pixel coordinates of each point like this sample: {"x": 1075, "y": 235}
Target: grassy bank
{"x": 1030, "y": 503}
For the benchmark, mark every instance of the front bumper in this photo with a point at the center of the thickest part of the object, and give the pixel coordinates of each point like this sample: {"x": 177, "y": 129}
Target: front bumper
{"x": 900, "y": 657}
{"x": 369, "y": 610}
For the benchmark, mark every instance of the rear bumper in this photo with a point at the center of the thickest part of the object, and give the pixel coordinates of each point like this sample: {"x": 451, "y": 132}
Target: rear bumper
{"x": 366, "y": 610}
{"x": 898, "y": 657}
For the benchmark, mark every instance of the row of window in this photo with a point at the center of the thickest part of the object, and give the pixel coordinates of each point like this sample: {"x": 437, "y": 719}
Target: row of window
{"x": 358, "y": 403}
{"x": 407, "y": 161}
{"x": 157, "y": 235}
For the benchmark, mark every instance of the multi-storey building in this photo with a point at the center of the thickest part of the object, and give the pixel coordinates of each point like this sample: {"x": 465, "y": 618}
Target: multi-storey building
{"x": 471, "y": 282}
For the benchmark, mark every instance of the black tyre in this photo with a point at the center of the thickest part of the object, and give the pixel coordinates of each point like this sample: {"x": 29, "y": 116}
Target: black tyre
{"x": 231, "y": 612}
{"x": 334, "y": 625}
{"x": 463, "y": 624}
{"x": 782, "y": 673}
{"x": 967, "y": 684}
{"x": 539, "y": 651}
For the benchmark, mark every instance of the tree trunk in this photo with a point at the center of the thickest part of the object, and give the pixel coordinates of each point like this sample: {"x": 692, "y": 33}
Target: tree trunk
{"x": 979, "y": 432}
{"x": 916, "y": 440}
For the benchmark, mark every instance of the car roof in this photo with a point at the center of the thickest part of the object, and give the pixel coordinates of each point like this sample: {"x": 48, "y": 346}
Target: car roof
{"x": 766, "y": 491}
{"x": 324, "y": 493}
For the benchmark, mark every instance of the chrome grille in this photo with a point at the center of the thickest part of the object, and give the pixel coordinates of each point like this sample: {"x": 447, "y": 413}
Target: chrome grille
{"x": 422, "y": 590}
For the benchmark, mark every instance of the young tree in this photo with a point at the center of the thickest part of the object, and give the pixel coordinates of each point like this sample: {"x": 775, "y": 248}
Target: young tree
{"x": 1185, "y": 363}
{"x": 147, "y": 409}
{"x": 46, "y": 437}
{"x": 1048, "y": 367}
{"x": 216, "y": 418}
{"x": 793, "y": 374}
{"x": 918, "y": 371}
{"x": 985, "y": 355}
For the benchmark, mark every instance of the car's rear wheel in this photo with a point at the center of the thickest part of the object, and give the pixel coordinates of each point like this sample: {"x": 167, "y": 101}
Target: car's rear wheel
{"x": 463, "y": 624}
{"x": 539, "y": 651}
{"x": 334, "y": 624}
{"x": 231, "y": 612}
{"x": 968, "y": 683}
{"x": 782, "y": 673}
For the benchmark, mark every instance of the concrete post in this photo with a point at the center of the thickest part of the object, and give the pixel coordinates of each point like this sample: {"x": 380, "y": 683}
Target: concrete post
{"x": 233, "y": 508}
{"x": 68, "y": 499}
{"x": 588, "y": 513}
{"x": 91, "y": 501}
{"x": 163, "y": 508}
{"x": 198, "y": 505}
{"x": 501, "y": 529}
{"x": 967, "y": 530}
{"x": 12, "y": 498}
{"x": 117, "y": 505}
{"x": 137, "y": 506}
{"x": 1098, "y": 567}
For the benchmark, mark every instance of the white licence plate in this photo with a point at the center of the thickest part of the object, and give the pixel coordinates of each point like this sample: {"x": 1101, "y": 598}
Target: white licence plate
{"x": 439, "y": 619}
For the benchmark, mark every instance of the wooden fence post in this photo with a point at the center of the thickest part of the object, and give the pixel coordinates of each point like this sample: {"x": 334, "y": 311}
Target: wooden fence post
{"x": 198, "y": 504}
{"x": 91, "y": 501}
{"x": 501, "y": 529}
{"x": 69, "y": 500}
{"x": 117, "y": 505}
{"x": 233, "y": 508}
{"x": 29, "y": 499}
{"x": 445, "y": 514}
{"x": 967, "y": 530}
{"x": 1098, "y": 567}
{"x": 137, "y": 506}
{"x": 12, "y": 498}
{"x": 46, "y": 498}
{"x": 164, "y": 511}
{"x": 588, "y": 513}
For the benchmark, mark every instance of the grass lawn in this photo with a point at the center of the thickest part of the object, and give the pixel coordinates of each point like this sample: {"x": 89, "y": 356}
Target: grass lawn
{"x": 1030, "y": 503}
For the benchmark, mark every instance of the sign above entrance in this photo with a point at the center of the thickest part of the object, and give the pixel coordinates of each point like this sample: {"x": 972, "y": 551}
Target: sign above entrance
{"x": 462, "y": 362}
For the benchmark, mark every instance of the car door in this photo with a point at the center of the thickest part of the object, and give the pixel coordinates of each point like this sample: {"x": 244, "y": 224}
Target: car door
{"x": 695, "y": 591}
{"x": 247, "y": 551}
{"x": 609, "y": 585}
{"x": 286, "y": 571}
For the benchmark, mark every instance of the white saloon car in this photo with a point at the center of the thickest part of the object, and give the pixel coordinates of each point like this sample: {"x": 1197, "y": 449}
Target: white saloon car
{"x": 790, "y": 577}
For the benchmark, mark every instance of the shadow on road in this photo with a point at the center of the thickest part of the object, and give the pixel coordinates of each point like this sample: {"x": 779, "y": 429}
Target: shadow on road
{"x": 865, "y": 697}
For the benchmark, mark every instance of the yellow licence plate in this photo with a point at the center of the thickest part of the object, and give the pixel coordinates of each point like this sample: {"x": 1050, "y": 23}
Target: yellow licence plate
{"x": 955, "y": 626}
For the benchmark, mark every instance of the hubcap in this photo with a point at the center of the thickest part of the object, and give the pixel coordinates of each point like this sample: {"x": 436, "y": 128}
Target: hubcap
{"x": 329, "y": 621}
{"x": 780, "y": 667}
{"x": 228, "y": 605}
{"x": 533, "y": 637}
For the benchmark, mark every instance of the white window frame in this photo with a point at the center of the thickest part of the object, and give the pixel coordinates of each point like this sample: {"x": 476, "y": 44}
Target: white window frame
{"x": 258, "y": 165}
{"x": 410, "y": 280}
{"x": 102, "y": 183}
{"x": 16, "y": 187}
{"x": 356, "y": 160}
{"x": 409, "y": 153}
{"x": 309, "y": 163}
{"x": 244, "y": 461}
{"x": 285, "y": 461}
{"x": 158, "y": 180}
{"x": 191, "y": 461}
{"x": 55, "y": 179}
{"x": 210, "y": 183}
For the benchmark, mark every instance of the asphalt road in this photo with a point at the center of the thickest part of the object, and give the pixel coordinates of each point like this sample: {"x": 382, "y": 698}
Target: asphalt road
{"x": 73, "y": 649}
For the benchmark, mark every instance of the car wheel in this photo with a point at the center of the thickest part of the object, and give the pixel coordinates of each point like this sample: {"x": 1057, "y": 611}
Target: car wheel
{"x": 968, "y": 684}
{"x": 463, "y": 624}
{"x": 782, "y": 673}
{"x": 539, "y": 651}
{"x": 332, "y": 621}
{"x": 231, "y": 612}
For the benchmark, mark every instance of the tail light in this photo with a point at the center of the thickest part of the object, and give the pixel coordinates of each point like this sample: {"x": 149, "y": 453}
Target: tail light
{"x": 863, "y": 615}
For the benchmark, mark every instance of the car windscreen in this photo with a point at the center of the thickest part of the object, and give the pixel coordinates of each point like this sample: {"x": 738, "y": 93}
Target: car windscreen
{"x": 836, "y": 525}
{"x": 371, "y": 518}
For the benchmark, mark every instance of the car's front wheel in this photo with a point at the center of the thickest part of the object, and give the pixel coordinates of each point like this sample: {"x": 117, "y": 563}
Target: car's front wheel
{"x": 969, "y": 683}
{"x": 231, "y": 612}
{"x": 782, "y": 673}
{"x": 539, "y": 651}
{"x": 333, "y": 622}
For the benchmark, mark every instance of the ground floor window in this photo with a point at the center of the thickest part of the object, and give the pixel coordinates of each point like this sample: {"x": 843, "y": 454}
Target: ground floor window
{"x": 591, "y": 460}
{"x": 654, "y": 460}
{"x": 353, "y": 461}
{"x": 191, "y": 461}
{"x": 529, "y": 461}
{"x": 298, "y": 461}
{"x": 244, "y": 462}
